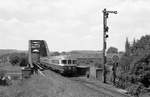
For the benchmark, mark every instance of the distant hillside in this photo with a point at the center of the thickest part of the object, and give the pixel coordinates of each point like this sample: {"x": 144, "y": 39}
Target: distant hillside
{"x": 6, "y": 51}
{"x": 85, "y": 52}
{"x": 9, "y": 51}
{"x": 76, "y": 52}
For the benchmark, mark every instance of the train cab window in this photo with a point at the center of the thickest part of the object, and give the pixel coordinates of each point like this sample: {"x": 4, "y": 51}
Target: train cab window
{"x": 74, "y": 61}
{"x": 64, "y": 61}
{"x": 69, "y": 61}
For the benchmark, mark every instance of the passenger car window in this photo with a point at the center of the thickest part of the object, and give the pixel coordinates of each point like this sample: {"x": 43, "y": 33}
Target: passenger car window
{"x": 64, "y": 61}
{"x": 69, "y": 61}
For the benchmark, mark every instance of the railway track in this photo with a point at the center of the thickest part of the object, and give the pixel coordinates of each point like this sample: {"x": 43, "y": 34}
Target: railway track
{"x": 108, "y": 92}
{"x": 91, "y": 85}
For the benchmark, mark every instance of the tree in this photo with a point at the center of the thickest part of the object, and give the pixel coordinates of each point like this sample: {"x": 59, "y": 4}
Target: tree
{"x": 23, "y": 61}
{"x": 127, "y": 47}
{"x": 135, "y": 64}
{"x": 112, "y": 50}
{"x": 14, "y": 60}
{"x": 55, "y": 53}
{"x": 18, "y": 59}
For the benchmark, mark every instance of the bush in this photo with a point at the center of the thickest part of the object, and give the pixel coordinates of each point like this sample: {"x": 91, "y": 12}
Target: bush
{"x": 136, "y": 89}
{"x": 134, "y": 68}
{"x": 14, "y": 60}
{"x": 20, "y": 59}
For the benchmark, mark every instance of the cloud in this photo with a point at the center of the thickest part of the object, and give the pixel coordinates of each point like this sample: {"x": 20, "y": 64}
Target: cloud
{"x": 131, "y": 21}
{"x": 71, "y": 24}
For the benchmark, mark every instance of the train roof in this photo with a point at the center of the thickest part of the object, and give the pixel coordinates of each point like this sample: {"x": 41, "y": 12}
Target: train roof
{"x": 63, "y": 57}
{"x": 76, "y": 56}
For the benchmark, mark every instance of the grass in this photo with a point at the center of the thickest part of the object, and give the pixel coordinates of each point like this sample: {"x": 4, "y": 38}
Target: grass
{"x": 53, "y": 85}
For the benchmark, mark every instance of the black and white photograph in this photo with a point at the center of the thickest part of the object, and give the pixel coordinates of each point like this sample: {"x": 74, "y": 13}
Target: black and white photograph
{"x": 75, "y": 48}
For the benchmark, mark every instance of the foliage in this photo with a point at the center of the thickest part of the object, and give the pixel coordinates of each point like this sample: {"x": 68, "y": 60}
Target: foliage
{"x": 127, "y": 47}
{"x": 112, "y": 50}
{"x": 141, "y": 70}
{"x": 136, "y": 89}
{"x": 14, "y": 60}
{"x": 134, "y": 67}
{"x": 18, "y": 59}
{"x": 125, "y": 62}
{"x": 55, "y": 54}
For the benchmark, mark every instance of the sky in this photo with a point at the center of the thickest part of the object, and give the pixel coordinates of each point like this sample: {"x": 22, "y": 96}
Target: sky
{"x": 71, "y": 24}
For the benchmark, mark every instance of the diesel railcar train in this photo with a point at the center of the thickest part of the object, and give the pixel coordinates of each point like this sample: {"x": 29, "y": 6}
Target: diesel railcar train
{"x": 63, "y": 64}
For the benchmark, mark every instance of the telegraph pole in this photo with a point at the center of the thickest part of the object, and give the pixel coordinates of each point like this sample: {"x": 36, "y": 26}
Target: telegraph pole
{"x": 105, "y": 36}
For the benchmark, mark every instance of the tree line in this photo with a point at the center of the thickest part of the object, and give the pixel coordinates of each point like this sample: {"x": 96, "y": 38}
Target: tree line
{"x": 134, "y": 66}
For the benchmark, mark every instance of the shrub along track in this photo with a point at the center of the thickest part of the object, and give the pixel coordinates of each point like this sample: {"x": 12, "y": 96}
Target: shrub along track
{"x": 99, "y": 87}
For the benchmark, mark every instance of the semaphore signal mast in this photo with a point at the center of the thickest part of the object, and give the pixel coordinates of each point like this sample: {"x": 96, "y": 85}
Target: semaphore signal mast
{"x": 105, "y": 36}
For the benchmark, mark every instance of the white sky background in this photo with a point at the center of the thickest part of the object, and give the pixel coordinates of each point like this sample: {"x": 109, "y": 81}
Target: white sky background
{"x": 71, "y": 24}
